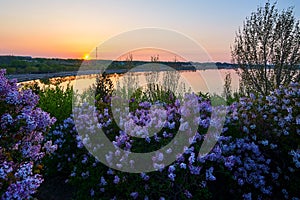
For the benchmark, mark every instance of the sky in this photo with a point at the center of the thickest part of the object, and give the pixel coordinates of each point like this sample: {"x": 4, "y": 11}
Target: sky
{"x": 73, "y": 28}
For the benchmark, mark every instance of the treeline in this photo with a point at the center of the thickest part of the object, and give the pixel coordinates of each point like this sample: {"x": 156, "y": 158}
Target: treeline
{"x": 26, "y": 64}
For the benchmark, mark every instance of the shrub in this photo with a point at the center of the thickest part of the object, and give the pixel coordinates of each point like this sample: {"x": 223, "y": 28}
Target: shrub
{"x": 93, "y": 179}
{"x": 272, "y": 124}
{"x": 256, "y": 157}
{"x": 57, "y": 101}
{"x": 53, "y": 98}
{"x": 22, "y": 144}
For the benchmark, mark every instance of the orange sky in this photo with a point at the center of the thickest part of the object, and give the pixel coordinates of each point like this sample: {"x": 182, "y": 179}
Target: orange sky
{"x": 71, "y": 29}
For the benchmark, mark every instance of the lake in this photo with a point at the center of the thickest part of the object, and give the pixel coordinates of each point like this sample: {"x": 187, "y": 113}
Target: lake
{"x": 209, "y": 80}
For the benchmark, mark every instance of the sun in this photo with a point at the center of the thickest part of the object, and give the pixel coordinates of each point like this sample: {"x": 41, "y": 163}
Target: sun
{"x": 86, "y": 57}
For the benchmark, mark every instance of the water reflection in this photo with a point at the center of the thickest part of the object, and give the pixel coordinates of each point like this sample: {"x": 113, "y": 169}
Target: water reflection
{"x": 193, "y": 80}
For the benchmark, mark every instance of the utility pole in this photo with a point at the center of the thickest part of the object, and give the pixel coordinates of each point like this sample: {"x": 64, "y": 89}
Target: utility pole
{"x": 96, "y": 53}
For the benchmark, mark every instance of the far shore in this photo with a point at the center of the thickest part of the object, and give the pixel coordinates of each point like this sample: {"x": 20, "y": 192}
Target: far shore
{"x": 33, "y": 76}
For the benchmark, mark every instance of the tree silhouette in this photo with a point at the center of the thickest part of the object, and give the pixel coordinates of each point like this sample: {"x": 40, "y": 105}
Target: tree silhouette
{"x": 267, "y": 49}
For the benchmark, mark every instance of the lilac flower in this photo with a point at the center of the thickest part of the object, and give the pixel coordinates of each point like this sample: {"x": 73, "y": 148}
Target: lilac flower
{"x": 6, "y": 119}
{"x": 245, "y": 129}
{"x": 241, "y": 182}
{"x": 203, "y": 184}
{"x": 275, "y": 176}
{"x": 110, "y": 171}
{"x": 192, "y": 158}
{"x": 253, "y": 126}
{"x": 85, "y": 174}
{"x": 134, "y": 195}
{"x": 184, "y": 126}
{"x": 23, "y": 189}
{"x": 26, "y": 126}
{"x": 5, "y": 169}
{"x": 209, "y": 175}
{"x": 296, "y": 157}
{"x": 102, "y": 181}
{"x": 24, "y": 170}
{"x": 158, "y": 166}
{"x": 160, "y": 157}
{"x": 49, "y": 148}
{"x": 171, "y": 168}
{"x": 182, "y": 165}
{"x": 285, "y": 193}
{"x": 265, "y": 142}
{"x": 148, "y": 139}
{"x": 194, "y": 169}
{"x": 247, "y": 196}
{"x": 145, "y": 177}
{"x": 116, "y": 180}
{"x": 230, "y": 161}
{"x": 273, "y": 146}
{"x": 73, "y": 174}
{"x": 298, "y": 120}
{"x": 92, "y": 192}
{"x": 171, "y": 125}
{"x": 13, "y": 97}
{"x": 188, "y": 194}
{"x": 169, "y": 150}
{"x": 286, "y": 101}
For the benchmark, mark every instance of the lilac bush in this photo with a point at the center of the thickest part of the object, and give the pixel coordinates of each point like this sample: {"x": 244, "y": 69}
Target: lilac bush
{"x": 271, "y": 123}
{"x": 256, "y": 157}
{"x": 22, "y": 130}
{"x": 93, "y": 178}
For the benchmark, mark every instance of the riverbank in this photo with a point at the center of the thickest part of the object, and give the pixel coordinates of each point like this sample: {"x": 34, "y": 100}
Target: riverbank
{"x": 35, "y": 76}
{"x": 29, "y": 77}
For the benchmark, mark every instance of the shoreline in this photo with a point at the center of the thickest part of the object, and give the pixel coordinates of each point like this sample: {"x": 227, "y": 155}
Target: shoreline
{"x": 33, "y": 76}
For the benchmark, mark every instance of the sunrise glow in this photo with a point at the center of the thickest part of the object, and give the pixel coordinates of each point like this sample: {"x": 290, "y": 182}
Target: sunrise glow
{"x": 40, "y": 29}
{"x": 86, "y": 57}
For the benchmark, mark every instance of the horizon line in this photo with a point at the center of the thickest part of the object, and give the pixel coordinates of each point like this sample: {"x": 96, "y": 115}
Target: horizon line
{"x": 82, "y": 59}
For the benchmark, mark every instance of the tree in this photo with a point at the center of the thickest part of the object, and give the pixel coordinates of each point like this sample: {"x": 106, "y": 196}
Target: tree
{"x": 155, "y": 58}
{"x": 227, "y": 92}
{"x": 267, "y": 49}
{"x": 129, "y": 61}
{"x": 103, "y": 87}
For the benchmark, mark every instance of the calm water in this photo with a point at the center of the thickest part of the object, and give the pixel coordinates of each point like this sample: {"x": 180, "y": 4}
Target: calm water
{"x": 211, "y": 80}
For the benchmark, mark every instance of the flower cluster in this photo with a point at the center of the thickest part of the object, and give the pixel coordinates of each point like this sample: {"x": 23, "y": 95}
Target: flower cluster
{"x": 270, "y": 125}
{"x": 22, "y": 130}
{"x": 256, "y": 156}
